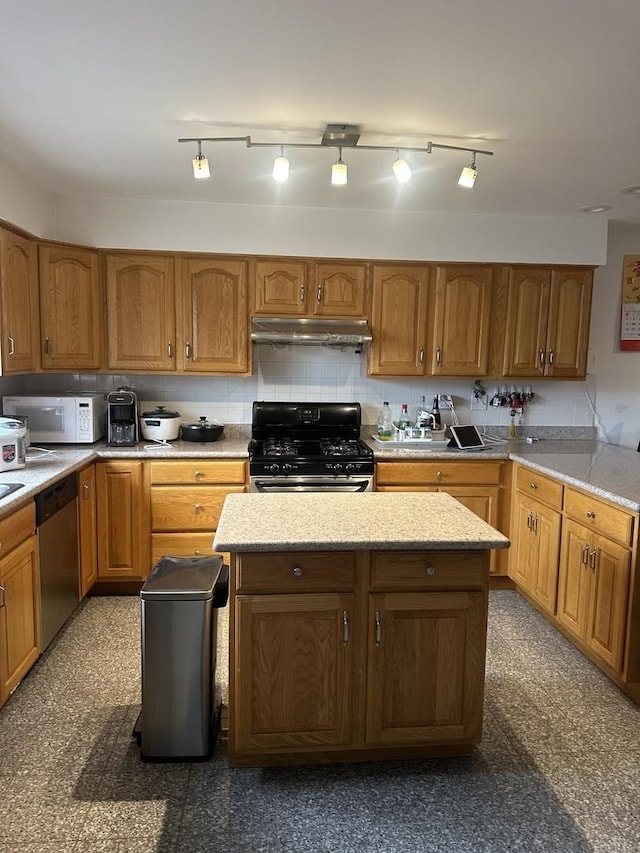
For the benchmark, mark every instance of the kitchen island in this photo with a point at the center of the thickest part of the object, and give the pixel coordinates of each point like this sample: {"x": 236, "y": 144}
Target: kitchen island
{"x": 357, "y": 626}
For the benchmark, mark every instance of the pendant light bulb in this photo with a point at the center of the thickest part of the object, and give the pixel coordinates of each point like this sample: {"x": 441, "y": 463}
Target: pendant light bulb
{"x": 200, "y": 164}
{"x": 469, "y": 174}
{"x": 339, "y": 171}
{"x": 281, "y": 167}
{"x": 402, "y": 170}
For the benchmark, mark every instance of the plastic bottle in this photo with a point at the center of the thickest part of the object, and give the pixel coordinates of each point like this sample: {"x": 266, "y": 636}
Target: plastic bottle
{"x": 435, "y": 411}
{"x": 404, "y": 420}
{"x": 385, "y": 423}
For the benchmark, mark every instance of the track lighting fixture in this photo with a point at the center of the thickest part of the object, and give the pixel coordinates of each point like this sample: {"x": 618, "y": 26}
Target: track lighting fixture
{"x": 338, "y": 136}
{"x": 469, "y": 174}
{"x": 281, "y": 167}
{"x": 339, "y": 171}
{"x": 200, "y": 164}
{"x": 402, "y": 170}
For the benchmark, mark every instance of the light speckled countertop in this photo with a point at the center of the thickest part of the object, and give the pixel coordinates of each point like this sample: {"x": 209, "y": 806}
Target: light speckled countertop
{"x": 352, "y": 522}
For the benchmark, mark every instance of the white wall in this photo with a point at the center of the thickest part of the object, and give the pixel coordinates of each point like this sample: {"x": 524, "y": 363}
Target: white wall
{"x": 616, "y": 374}
{"x": 23, "y": 203}
{"x": 139, "y": 224}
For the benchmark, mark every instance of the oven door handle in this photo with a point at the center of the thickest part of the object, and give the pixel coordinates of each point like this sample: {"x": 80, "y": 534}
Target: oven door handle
{"x": 350, "y": 485}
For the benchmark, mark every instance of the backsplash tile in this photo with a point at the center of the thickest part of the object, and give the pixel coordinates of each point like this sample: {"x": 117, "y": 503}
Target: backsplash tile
{"x": 311, "y": 374}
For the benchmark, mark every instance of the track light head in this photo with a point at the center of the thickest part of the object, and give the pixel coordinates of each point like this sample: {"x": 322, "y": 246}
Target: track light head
{"x": 402, "y": 170}
{"x": 281, "y": 167}
{"x": 469, "y": 174}
{"x": 339, "y": 171}
{"x": 200, "y": 164}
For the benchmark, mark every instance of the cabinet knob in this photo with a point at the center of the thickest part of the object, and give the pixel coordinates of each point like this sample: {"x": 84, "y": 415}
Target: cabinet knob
{"x": 197, "y": 551}
{"x": 297, "y": 571}
{"x": 590, "y": 513}
{"x": 431, "y": 570}
{"x": 439, "y": 475}
{"x": 197, "y": 508}
{"x": 533, "y": 485}
{"x": 197, "y": 474}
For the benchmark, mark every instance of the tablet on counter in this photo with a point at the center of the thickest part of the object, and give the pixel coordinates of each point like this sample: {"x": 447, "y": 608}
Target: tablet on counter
{"x": 466, "y": 438}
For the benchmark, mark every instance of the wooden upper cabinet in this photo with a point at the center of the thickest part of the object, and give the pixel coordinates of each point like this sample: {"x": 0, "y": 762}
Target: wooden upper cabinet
{"x": 20, "y": 312}
{"x": 548, "y": 314}
{"x": 398, "y": 320}
{"x": 71, "y": 308}
{"x": 140, "y": 311}
{"x": 569, "y": 319}
{"x": 212, "y": 314}
{"x": 280, "y": 288}
{"x": 461, "y": 320}
{"x": 340, "y": 290}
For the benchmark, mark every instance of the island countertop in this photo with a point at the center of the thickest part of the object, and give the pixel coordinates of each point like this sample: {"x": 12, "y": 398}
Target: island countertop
{"x": 351, "y": 522}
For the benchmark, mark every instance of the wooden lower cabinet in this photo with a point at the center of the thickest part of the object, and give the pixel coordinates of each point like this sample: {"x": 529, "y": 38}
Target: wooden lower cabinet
{"x": 356, "y": 655}
{"x": 19, "y": 613}
{"x": 123, "y": 529}
{"x": 593, "y": 591}
{"x": 87, "y": 529}
{"x": 536, "y": 549}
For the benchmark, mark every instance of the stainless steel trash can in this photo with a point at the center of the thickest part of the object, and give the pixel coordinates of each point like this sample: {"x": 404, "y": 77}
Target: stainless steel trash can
{"x": 179, "y": 602}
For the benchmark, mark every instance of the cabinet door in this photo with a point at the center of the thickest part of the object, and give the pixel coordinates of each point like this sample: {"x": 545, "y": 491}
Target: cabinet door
{"x": 569, "y": 318}
{"x": 280, "y": 288}
{"x": 71, "y": 308}
{"x": 213, "y": 315}
{"x": 140, "y": 312}
{"x": 545, "y": 551}
{"x": 609, "y": 564}
{"x": 520, "y": 562}
{"x": 123, "y": 534}
{"x": 483, "y": 500}
{"x": 461, "y": 321}
{"x": 88, "y": 533}
{"x": 292, "y": 671}
{"x": 339, "y": 290}
{"x": 398, "y": 321}
{"x": 20, "y": 318}
{"x": 526, "y": 327}
{"x": 574, "y": 583}
{"x": 19, "y": 615}
{"x": 436, "y": 694}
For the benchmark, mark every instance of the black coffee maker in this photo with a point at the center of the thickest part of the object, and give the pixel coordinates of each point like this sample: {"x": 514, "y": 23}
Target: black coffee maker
{"x": 122, "y": 417}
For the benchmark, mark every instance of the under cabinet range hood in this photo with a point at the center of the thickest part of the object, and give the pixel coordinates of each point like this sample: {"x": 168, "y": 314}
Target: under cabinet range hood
{"x": 302, "y": 331}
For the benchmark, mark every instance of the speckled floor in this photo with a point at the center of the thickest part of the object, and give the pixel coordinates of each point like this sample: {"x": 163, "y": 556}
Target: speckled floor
{"x": 558, "y": 768}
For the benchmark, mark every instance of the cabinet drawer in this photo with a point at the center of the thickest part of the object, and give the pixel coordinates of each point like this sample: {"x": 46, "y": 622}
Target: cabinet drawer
{"x": 539, "y": 487}
{"x": 17, "y": 527}
{"x": 599, "y": 516}
{"x": 184, "y": 508}
{"x": 291, "y": 571}
{"x": 197, "y": 471}
{"x": 441, "y": 473}
{"x": 181, "y": 545}
{"x": 400, "y": 570}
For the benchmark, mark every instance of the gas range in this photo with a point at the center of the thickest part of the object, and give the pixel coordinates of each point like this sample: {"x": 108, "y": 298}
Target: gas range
{"x": 309, "y": 444}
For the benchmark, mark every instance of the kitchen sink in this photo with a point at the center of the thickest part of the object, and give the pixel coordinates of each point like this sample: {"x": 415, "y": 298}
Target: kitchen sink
{"x": 8, "y": 488}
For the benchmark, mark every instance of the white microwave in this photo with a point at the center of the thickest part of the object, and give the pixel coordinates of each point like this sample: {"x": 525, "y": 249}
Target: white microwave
{"x": 60, "y": 419}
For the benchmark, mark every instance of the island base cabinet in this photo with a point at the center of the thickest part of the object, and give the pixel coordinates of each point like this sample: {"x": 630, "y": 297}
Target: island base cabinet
{"x": 436, "y": 694}
{"x": 294, "y": 667}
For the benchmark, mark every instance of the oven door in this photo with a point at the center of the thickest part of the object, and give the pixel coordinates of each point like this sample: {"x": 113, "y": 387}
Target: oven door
{"x": 320, "y": 483}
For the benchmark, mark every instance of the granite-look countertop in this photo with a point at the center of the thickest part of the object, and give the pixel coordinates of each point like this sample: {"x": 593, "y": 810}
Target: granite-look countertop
{"x": 352, "y": 522}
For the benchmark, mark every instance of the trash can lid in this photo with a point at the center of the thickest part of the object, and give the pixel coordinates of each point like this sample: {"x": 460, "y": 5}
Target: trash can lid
{"x": 182, "y": 579}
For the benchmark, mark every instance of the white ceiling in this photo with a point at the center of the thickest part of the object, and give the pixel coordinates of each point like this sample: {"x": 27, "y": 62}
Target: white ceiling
{"x": 94, "y": 95}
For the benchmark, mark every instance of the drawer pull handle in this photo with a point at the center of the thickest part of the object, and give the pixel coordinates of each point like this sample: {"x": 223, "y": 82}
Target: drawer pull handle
{"x": 319, "y": 295}
{"x": 431, "y": 570}
{"x": 592, "y": 559}
{"x": 12, "y": 346}
{"x": 302, "y": 294}
{"x": 534, "y": 486}
{"x": 421, "y": 355}
{"x": 590, "y": 513}
{"x": 438, "y": 356}
{"x": 345, "y": 627}
{"x": 169, "y": 350}
{"x": 297, "y": 571}
{"x": 378, "y": 624}
{"x": 535, "y": 523}
{"x": 3, "y": 601}
{"x": 585, "y": 555}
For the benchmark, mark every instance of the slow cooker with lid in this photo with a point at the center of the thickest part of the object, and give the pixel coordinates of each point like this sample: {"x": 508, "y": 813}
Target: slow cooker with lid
{"x": 160, "y": 425}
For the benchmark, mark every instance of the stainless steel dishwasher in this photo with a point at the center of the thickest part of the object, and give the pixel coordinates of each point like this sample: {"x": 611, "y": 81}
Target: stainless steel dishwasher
{"x": 57, "y": 524}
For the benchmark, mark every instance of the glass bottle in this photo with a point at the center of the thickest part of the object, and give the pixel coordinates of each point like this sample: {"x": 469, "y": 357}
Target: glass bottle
{"x": 421, "y": 413}
{"x": 435, "y": 411}
{"x": 385, "y": 423}
{"x": 404, "y": 420}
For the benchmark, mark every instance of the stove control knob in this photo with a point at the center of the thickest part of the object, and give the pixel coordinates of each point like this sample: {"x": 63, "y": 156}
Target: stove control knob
{"x": 287, "y": 468}
{"x": 274, "y": 468}
{"x": 337, "y": 468}
{"x": 350, "y": 468}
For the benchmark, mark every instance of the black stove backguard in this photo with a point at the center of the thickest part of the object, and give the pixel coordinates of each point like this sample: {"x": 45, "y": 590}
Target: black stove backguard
{"x": 305, "y": 420}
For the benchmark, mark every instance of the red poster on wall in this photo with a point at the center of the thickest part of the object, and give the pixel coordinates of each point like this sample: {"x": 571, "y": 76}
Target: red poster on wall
{"x": 630, "y": 319}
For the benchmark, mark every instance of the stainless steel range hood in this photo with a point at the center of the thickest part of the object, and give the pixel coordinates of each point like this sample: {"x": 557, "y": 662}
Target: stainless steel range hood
{"x": 301, "y": 331}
